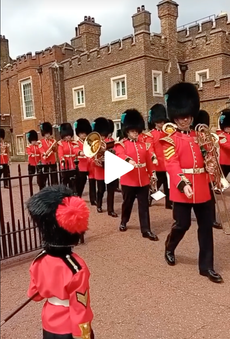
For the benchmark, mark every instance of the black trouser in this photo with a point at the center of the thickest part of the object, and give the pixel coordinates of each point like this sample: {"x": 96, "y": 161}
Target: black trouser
{"x": 162, "y": 179}
{"x": 5, "y": 170}
{"x": 226, "y": 170}
{"x": 110, "y": 194}
{"x": 182, "y": 215}
{"x": 69, "y": 179}
{"x": 129, "y": 194}
{"x": 48, "y": 335}
{"x": 32, "y": 170}
{"x": 81, "y": 181}
{"x": 92, "y": 190}
{"x": 44, "y": 173}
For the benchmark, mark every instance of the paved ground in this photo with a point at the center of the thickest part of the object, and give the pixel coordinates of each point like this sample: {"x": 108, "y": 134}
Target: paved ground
{"x": 134, "y": 294}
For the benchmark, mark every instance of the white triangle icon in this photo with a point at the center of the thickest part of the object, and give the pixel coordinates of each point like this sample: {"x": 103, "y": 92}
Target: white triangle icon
{"x": 115, "y": 167}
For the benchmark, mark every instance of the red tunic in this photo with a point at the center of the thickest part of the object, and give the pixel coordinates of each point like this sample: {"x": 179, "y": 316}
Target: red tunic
{"x": 34, "y": 155}
{"x": 224, "y": 142}
{"x": 67, "y": 152}
{"x": 157, "y": 146}
{"x": 182, "y": 155}
{"x": 4, "y": 147}
{"x": 137, "y": 151}
{"x": 51, "y": 277}
{"x": 91, "y": 168}
{"x": 44, "y": 144}
{"x": 148, "y": 140}
{"x": 83, "y": 160}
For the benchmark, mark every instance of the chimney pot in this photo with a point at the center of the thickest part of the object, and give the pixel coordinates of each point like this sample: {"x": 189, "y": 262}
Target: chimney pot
{"x": 89, "y": 18}
{"x": 142, "y": 7}
{"x": 93, "y": 20}
{"x": 85, "y": 18}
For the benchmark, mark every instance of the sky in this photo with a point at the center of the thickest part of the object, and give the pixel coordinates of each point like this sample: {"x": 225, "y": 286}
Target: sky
{"x": 33, "y": 25}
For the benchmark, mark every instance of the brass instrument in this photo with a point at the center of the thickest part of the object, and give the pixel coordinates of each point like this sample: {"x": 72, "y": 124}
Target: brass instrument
{"x": 50, "y": 150}
{"x": 208, "y": 143}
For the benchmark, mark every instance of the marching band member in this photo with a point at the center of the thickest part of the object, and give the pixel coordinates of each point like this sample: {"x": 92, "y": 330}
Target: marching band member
{"x": 101, "y": 126}
{"x": 156, "y": 119}
{"x": 67, "y": 154}
{"x": 48, "y": 148}
{"x": 34, "y": 156}
{"x": 115, "y": 183}
{"x": 58, "y": 275}
{"x": 4, "y": 159}
{"x": 189, "y": 181}
{"x": 82, "y": 129}
{"x": 204, "y": 118}
{"x": 136, "y": 182}
{"x": 224, "y": 141}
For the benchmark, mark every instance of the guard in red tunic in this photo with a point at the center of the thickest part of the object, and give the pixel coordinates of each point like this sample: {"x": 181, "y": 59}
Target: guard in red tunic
{"x": 82, "y": 129}
{"x": 4, "y": 159}
{"x": 156, "y": 119}
{"x": 101, "y": 126}
{"x": 48, "y": 149}
{"x": 224, "y": 141}
{"x": 189, "y": 180}
{"x": 67, "y": 154}
{"x": 58, "y": 275}
{"x": 135, "y": 184}
{"x": 34, "y": 155}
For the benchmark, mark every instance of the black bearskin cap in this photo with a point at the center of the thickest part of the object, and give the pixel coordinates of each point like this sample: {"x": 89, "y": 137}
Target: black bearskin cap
{"x": 101, "y": 126}
{"x": 111, "y": 126}
{"x": 132, "y": 119}
{"x": 82, "y": 126}
{"x": 66, "y": 130}
{"x": 182, "y": 101}
{"x": 157, "y": 114}
{"x": 225, "y": 118}
{"x": 46, "y": 128}
{"x": 2, "y": 133}
{"x": 202, "y": 118}
{"x": 32, "y": 135}
{"x": 60, "y": 220}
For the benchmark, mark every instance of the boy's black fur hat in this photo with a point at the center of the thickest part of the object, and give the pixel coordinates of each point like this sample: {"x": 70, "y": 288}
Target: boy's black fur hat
{"x": 66, "y": 130}
{"x": 101, "y": 126}
{"x": 32, "y": 135}
{"x": 46, "y": 128}
{"x": 225, "y": 118}
{"x": 157, "y": 113}
{"x": 82, "y": 126}
{"x": 111, "y": 126}
{"x": 132, "y": 119}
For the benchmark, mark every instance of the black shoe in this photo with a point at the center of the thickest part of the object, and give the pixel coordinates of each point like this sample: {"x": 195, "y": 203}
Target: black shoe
{"x": 94, "y": 203}
{"x": 170, "y": 258}
{"x": 113, "y": 214}
{"x": 99, "y": 210}
{"x": 213, "y": 276}
{"x": 217, "y": 225}
{"x": 150, "y": 235}
{"x": 123, "y": 228}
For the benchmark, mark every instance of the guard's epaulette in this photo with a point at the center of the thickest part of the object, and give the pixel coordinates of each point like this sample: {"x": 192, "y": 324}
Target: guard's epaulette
{"x": 221, "y": 135}
{"x": 121, "y": 142}
{"x": 72, "y": 263}
{"x": 59, "y": 142}
{"x": 40, "y": 255}
{"x": 148, "y": 134}
{"x": 168, "y": 139}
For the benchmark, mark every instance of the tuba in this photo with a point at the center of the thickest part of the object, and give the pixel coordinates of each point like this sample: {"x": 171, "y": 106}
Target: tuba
{"x": 209, "y": 144}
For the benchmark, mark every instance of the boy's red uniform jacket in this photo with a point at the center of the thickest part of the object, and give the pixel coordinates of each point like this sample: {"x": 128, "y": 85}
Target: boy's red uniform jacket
{"x": 157, "y": 146}
{"x": 4, "y": 147}
{"x": 44, "y": 144}
{"x": 67, "y": 306}
{"x": 185, "y": 165}
{"x": 137, "y": 151}
{"x": 67, "y": 153}
{"x": 83, "y": 160}
{"x": 34, "y": 155}
{"x": 224, "y": 142}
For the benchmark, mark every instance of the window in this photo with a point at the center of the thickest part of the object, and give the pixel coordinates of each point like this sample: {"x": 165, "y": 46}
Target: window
{"x": 117, "y": 127}
{"x": 79, "y": 97}
{"x": 202, "y": 76}
{"x": 119, "y": 88}
{"x": 20, "y": 144}
{"x": 157, "y": 83}
{"x": 27, "y": 99}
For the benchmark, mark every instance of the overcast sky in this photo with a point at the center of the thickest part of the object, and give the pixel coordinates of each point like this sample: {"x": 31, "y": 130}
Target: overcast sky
{"x": 33, "y": 25}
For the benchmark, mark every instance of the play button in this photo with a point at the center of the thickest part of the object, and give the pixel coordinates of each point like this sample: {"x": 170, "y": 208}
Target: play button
{"x": 115, "y": 167}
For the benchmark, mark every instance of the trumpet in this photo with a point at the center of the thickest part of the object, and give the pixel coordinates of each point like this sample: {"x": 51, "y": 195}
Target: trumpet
{"x": 50, "y": 150}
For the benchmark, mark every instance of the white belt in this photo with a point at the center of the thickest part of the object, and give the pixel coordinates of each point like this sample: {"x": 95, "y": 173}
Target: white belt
{"x": 69, "y": 155}
{"x": 140, "y": 165}
{"x": 193, "y": 170}
{"x": 58, "y": 302}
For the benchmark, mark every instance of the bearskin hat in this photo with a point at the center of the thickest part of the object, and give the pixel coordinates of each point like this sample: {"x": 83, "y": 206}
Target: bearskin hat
{"x": 111, "y": 126}
{"x": 46, "y": 128}
{"x": 202, "y": 118}
{"x": 225, "y": 118}
{"x": 101, "y": 126}
{"x": 157, "y": 113}
{"x": 66, "y": 130}
{"x": 2, "y": 133}
{"x": 60, "y": 216}
{"x": 32, "y": 135}
{"x": 132, "y": 119}
{"x": 82, "y": 126}
{"x": 182, "y": 101}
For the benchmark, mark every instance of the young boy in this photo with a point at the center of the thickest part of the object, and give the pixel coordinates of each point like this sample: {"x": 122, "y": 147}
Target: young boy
{"x": 59, "y": 275}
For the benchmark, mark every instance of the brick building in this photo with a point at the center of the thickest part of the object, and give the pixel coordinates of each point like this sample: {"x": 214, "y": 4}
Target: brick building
{"x": 85, "y": 79}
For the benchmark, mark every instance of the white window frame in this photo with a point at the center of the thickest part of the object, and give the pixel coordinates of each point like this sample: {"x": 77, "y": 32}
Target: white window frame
{"x": 75, "y": 90}
{"x": 116, "y": 122}
{"x": 21, "y": 83}
{"x": 159, "y": 76}
{"x": 17, "y": 148}
{"x": 199, "y": 74}
{"x": 114, "y": 81}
